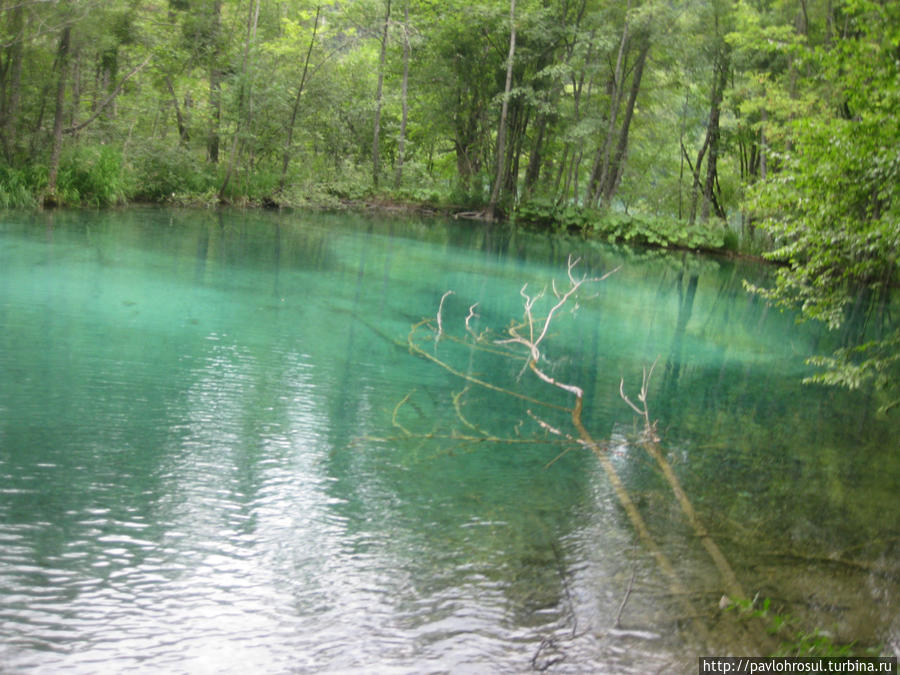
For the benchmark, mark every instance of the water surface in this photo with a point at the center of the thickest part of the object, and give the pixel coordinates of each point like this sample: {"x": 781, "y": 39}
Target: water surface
{"x": 217, "y": 454}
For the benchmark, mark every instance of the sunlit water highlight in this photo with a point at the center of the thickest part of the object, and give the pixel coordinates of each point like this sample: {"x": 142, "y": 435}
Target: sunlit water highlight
{"x": 217, "y": 454}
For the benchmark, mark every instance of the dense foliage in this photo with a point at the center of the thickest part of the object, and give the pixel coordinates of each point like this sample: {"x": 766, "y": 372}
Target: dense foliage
{"x": 683, "y": 124}
{"x": 833, "y": 205}
{"x": 609, "y": 105}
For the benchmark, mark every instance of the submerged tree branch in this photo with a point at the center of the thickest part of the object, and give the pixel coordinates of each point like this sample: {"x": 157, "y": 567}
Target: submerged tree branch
{"x": 650, "y": 443}
{"x": 530, "y": 333}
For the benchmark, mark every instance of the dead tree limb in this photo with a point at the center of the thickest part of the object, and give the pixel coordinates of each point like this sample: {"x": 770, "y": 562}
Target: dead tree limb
{"x": 650, "y": 443}
{"x": 530, "y": 333}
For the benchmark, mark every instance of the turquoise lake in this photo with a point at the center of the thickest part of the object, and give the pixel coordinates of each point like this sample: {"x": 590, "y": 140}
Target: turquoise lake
{"x": 218, "y": 453}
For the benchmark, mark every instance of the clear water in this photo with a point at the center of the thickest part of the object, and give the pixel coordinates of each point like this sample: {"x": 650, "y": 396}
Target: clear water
{"x": 217, "y": 454}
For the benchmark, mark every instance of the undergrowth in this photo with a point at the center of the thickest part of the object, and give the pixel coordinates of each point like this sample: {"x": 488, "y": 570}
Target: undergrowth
{"x": 623, "y": 228}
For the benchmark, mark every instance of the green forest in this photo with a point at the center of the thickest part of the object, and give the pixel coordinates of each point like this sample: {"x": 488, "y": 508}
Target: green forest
{"x": 761, "y": 126}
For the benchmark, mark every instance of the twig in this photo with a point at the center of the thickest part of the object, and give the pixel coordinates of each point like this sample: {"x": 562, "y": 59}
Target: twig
{"x": 469, "y": 317}
{"x": 625, "y": 599}
{"x": 440, "y": 328}
{"x": 556, "y": 432}
{"x": 397, "y": 407}
{"x": 416, "y": 349}
{"x": 457, "y": 405}
{"x": 547, "y": 427}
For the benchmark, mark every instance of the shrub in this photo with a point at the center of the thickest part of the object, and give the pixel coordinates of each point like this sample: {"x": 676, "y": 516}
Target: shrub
{"x": 168, "y": 173}
{"x": 94, "y": 175}
{"x": 622, "y": 228}
{"x": 18, "y": 187}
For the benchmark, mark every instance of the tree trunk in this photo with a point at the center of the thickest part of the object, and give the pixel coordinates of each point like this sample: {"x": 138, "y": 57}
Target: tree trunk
{"x": 243, "y": 96}
{"x": 9, "y": 101}
{"x": 763, "y": 162}
{"x": 516, "y": 129}
{"x": 179, "y": 120}
{"x": 533, "y": 172}
{"x": 215, "y": 88}
{"x": 376, "y": 156}
{"x": 683, "y": 156}
{"x": 695, "y": 170}
{"x": 711, "y": 142}
{"x": 404, "y": 102}
{"x": 62, "y": 63}
{"x": 712, "y": 177}
{"x": 286, "y": 158}
{"x": 504, "y": 110}
{"x": 559, "y": 173}
{"x": 602, "y": 159}
{"x": 614, "y": 174}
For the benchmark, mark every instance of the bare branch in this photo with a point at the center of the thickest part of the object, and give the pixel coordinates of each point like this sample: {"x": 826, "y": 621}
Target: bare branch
{"x": 457, "y": 405}
{"x": 395, "y": 421}
{"x": 532, "y": 343}
{"x": 440, "y": 328}
{"x": 469, "y": 317}
{"x": 548, "y": 427}
{"x": 530, "y": 333}
{"x": 571, "y": 388}
{"x": 109, "y": 99}
{"x": 416, "y": 349}
{"x": 626, "y": 399}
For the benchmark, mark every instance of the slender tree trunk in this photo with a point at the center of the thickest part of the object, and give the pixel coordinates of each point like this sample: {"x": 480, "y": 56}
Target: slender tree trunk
{"x": 286, "y": 157}
{"x": 243, "y": 98}
{"x": 709, "y": 194}
{"x": 695, "y": 171}
{"x": 763, "y": 168}
{"x": 559, "y": 172}
{"x": 179, "y": 120}
{"x": 683, "y": 156}
{"x": 533, "y": 172}
{"x": 614, "y": 174}
{"x": 516, "y": 129}
{"x": 62, "y": 63}
{"x": 602, "y": 159}
{"x": 404, "y": 102}
{"x": 215, "y": 87}
{"x": 504, "y": 110}
{"x": 711, "y": 141}
{"x": 376, "y": 155}
{"x": 249, "y": 80}
{"x": 9, "y": 102}
{"x": 74, "y": 86}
